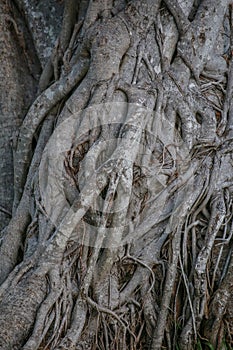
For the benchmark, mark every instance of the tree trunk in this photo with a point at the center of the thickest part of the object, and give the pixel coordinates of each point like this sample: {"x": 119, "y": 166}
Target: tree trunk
{"x": 115, "y": 188}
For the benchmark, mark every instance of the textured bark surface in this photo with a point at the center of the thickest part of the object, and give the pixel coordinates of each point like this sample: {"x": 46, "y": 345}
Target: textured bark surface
{"x": 134, "y": 250}
{"x": 18, "y": 88}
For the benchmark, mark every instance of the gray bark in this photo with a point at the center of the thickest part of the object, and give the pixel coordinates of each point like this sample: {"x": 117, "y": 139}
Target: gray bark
{"x": 127, "y": 107}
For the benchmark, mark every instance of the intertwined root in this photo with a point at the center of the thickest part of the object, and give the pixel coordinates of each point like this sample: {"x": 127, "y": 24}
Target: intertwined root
{"x": 142, "y": 256}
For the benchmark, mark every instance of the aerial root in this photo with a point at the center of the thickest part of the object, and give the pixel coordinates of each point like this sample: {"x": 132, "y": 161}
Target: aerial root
{"x": 62, "y": 48}
{"x": 44, "y": 311}
{"x": 158, "y": 335}
{"x": 36, "y": 114}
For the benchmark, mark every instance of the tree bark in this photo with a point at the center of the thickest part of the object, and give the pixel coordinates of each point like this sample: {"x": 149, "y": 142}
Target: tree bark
{"x": 115, "y": 185}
